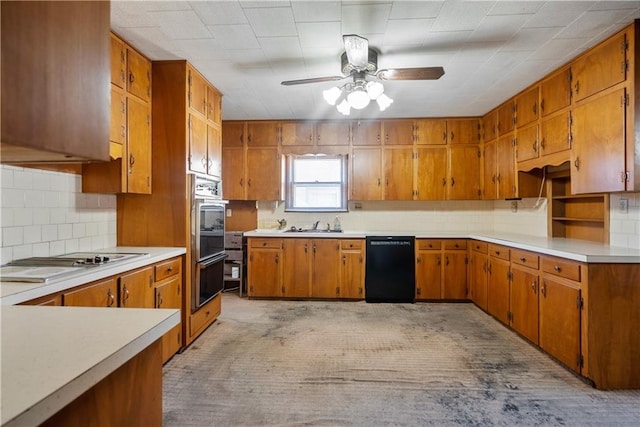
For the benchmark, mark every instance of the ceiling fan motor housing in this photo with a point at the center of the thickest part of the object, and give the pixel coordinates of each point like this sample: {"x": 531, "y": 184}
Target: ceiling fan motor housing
{"x": 372, "y": 64}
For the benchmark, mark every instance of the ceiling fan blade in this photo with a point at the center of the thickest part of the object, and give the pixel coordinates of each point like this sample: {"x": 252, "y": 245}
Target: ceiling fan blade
{"x": 313, "y": 80}
{"x": 357, "y": 49}
{"x": 425, "y": 73}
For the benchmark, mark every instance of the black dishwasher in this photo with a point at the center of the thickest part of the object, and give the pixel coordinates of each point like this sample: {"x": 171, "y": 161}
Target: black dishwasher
{"x": 390, "y": 269}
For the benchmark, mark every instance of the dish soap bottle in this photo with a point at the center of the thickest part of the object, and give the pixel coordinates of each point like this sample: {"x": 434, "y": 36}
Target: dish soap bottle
{"x": 336, "y": 224}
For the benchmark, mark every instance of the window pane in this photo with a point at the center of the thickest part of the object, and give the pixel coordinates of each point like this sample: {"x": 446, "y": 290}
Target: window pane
{"x": 317, "y": 169}
{"x": 317, "y": 196}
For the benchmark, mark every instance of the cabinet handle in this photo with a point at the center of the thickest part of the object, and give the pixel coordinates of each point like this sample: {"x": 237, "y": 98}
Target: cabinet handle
{"x": 241, "y": 182}
{"x": 125, "y": 295}
{"x": 131, "y": 78}
{"x": 489, "y": 268}
{"x": 453, "y": 181}
{"x": 535, "y": 108}
{"x": 169, "y": 270}
{"x": 378, "y": 182}
{"x": 557, "y": 268}
{"x": 446, "y": 260}
{"x": 277, "y": 258}
{"x": 204, "y": 162}
{"x": 543, "y": 289}
{"x": 542, "y": 105}
{"x": 418, "y": 260}
{"x": 249, "y": 182}
{"x": 444, "y": 136}
{"x": 452, "y": 136}
{"x": 498, "y": 178}
{"x": 535, "y": 147}
{"x": 344, "y": 260}
{"x": 444, "y": 182}
{"x": 305, "y": 248}
{"x": 439, "y": 261}
{"x": 542, "y": 143}
{"x": 497, "y": 252}
{"x": 484, "y": 266}
{"x": 122, "y": 131}
{"x": 577, "y": 87}
{"x": 493, "y": 179}
{"x": 159, "y": 300}
{"x": 576, "y": 163}
{"x": 533, "y": 287}
{"x": 523, "y": 259}
{"x": 111, "y": 297}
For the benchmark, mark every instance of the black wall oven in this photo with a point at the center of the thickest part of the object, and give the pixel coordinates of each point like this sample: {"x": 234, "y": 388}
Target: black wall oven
{"x": 207, "y": 240}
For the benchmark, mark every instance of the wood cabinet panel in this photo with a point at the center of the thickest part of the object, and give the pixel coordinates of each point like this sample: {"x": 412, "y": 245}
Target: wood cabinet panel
{"x": 167, "y": 269}
{"x": 366, "y": 178}
{"x": 263, "y": 134}
{"x": 118, "y": 123}
{"x": 103, "y": 293}
{"x": 527, "y": 143}
{"x": 478, "y": 279}
{"x": 598, "y": 149}
{"x": 197, "y": 95}
{"x": 431, "y": 171}
{"x": 365, "y": 132}
{"x": 352, "y": 269}
{"x": 233, "y": 174}
{"x": 197, "y": 144}
{"x": 297, "y": 267}
{"x": 118, "y": 60}
{"x": 168, "y": 295}
{"x": 263, "y": 174}
{"x": 506, "y": 167}
{"x": 214, "y": 151}
{"x": 562, "y": 268}
{"x": 455, "y": 275}
{"x": 600, "y": 68}
{"x": 398, "y": 173}
{"x": 527, "y": 107}
{"x": 199, "y": 320}
{"x": 490, "y": 125}
{"x": 464, "y": 172}
{"x": 463, "y": 131}
{"x": 333, "y": 132}
{"x": 398, "y": 132}
{"x": 555, "y": 133}
{"x": 524, "y": 301}
{"x": 139, "y": 148}
{"x": 498, "y": 289}
{"x": 136, "y": 289}
{"x": 555, "y": 92}
{"x": 214, "y": 105}
{"x": 233, "y": 134}
{"x": 296, "y": 133}
{"x": 431, "y": 131}
{"x": 525, "y": 258}
{"x": 326, "y": 271}
{"x": 139, "y": 75}
{"x": 490, "y": 170}
{"x": 429, "y": 275}
{"x": 265, "y": 272}
{"x": 506, "y": 117}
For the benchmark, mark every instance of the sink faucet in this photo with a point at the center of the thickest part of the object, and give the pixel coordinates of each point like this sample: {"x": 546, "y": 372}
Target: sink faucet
{"x": 315, "y": 225}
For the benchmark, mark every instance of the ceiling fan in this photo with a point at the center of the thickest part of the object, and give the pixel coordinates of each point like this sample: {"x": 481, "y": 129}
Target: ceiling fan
{"x": 360, "y": 63}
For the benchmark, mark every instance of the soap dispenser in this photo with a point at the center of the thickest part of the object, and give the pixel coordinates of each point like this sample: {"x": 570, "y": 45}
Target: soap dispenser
{"x": 336, "y": 224}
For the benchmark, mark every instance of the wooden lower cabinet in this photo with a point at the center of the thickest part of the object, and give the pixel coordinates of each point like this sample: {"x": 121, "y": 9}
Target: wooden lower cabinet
{"x": 265, "y": 274}
{"x": 103, "y": 293}
{"x": 352, "y": 269}
{"x": 498, "y": 283}
{"x": 326, "y": 268}
{"x": 169, "y": 295}
{"x": 441, "y": 269}
{"x": 136, "y": 289}
{"x": 454, "y": 266}
{"x": 478, "y": 273}
{"x": 523, "y": 302}
{"x": 206, "y": 314}
{"x": 297, "y": 263}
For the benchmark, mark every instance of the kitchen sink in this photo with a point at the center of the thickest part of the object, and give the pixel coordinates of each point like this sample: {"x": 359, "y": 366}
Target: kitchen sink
{"x": 310, "y": 230}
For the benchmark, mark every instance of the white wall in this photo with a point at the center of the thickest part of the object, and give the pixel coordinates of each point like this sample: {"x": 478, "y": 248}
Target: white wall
{"x": 45, "y": 213}
{"x": 529, "y": 217}
{"x": 624, "y": 226}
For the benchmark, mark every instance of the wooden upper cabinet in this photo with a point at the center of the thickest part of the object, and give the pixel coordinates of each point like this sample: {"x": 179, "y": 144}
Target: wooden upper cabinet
{"x": 139, "y": 148}
{"x": 527, "y": 146}
{"x": 398, "y": 173}
{"x": 233, "y": 134}
{"x": 490, "y": 184}
{"x": 555, "y": 92}
{"x": 214, "y": 151}
{"x": 197, "y": 95}
{"x": 431, "y": 131}
{"x": 263, "y": 134}
{"x": 366, "y": 174}
{"x": 214, "y": 105}
{"x": 197, "y": 144}
{"x": 555, "y": 133}
{"x": 296, "y": 133}
{"x": 505, "y": 161}
{"x": 431, "y": 171}
{"x": 490, "y": 125}
{"x": 506, "y": 117}
{"x": 233, "y": 174}
{"x": 366, "y": 132}
{"x": 139, "y": 75}
{"x": 118, "y": 126}
{"x": 333, "y": 132}
{"x": 464, "y": 173}
{"x": 527, "y": 107}
{"x": 118, "y": 62}
{"x": 598, "y": 149}
{"x": 263, "y": 174}
{"x": 600, "y": 68}
{"x": 398, "y": 132}
{"x": 463, "y": 131}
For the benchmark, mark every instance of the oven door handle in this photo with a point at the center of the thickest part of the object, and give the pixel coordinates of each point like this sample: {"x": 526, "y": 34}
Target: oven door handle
{"x": 213, "y": 260}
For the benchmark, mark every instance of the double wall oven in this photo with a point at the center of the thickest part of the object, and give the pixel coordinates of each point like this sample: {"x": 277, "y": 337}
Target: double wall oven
{"x": 207, "y": 239}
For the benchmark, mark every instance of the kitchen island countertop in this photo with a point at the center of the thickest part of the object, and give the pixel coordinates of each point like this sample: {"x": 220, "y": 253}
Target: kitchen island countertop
{"x": 574, "y": 249}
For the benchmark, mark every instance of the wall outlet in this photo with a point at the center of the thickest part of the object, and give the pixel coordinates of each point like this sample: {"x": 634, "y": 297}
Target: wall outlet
{"x": 357, "y": 205}
{"x": 229, "y": 212}
{"x": 624, "y": 205}
{"x": 514, "y": 206}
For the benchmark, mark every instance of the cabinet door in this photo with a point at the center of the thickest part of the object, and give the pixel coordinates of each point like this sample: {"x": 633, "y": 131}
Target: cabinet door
{"x": 326, "y": 268}
{"x": 233, "y": 134}
{"x": 600, "y": 68}
{"x": 464, "y": 172}
{"x": 498, "y": 289}
{"x": 490, "y": 190}
{"x": 197, "y": 144}
{"x": 527, "y": 143}
{"x": 264, "y": 273}
{"x": 398, "y": 174}
{"x": 478, "y": 279}
{"x": 263, "y": 134}
{"x": 118, "y": 62}
{"x": 598, "y": 148}
{"x": 366, "y": 183}
{"x": 524, "y": 302}
{"x": 99, "y": 294}
{"x": 139, "y": 71}
{"x": 506, "y": 117}
{"x": 398, "y": 132}
{"x": 429, "y": 275}
{"x": 168, "y": 295}
{"x": 297, "y": 268}
{"x": 431, "y": 131}
{"x": 333, "y": 133}
{"x": 463, "y": 131}
{"x": 233, "y": 180}
{"x": 455, "y": 275}
{"x": 431, "y": 171}
{"x": 139, "y": 147}
{"x": 263, "y": 174}
{"x": 118, "y": 123}
{"x": 296, "y": 133}
{"x": 555, "y": 92}
{"x": 365, "y": 132}
{"x": 506, "y": 167}
{"x": 214, "y": 105}
{"x": 490, "y": 125}
{"x": 527, "y": 107}
{"x": 560, "y": 322}
{"x": 136, "y": 289}
{"x": 352, "y": 274}
{"x": 555, "y": 133}
{"x": 214, "y": 151}
{"x": 197, "y": 92}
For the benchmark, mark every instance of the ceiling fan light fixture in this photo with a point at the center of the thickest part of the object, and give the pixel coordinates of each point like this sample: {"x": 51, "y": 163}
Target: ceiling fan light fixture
{"x": 344, "y": 107}
{"x": 374, "y": 89}
{"x": 358, "y": 98}
{"x": 384, "y": 101}
{"x": 332, "y": 95}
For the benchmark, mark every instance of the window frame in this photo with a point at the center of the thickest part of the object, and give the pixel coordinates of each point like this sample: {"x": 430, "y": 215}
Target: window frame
{"x": 290, "y": 185}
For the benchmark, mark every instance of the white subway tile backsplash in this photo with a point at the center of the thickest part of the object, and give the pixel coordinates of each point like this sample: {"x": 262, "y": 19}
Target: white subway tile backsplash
{"x": 42, "y": 216}
{"x": 23, "y": 179}
{"x": 65, "y": 231}
{"x": 41, "y": 249}
{"x": 49, "y": 233}
{"x": 22, "y": 216}
{"x": 23, "y": 251}
{"x": 51, "y": 199}
{"x": 57, "y": 216}
{"x": 6, "y": 217}
{"x": 79, "y": 230}
{"x": 6, "y": 255}
{"x": 34, "y": 198}
{"x": 84, "y": 244}
{"x": 12, "y": 198}
{"x": 57, "y": 247}
{"x": 42, "y": 181}
{"x": 92, "y": 229}
{"x": 12, "y": 236}
{"x": 33, "y": 234}
{"x": 6, "y": 178}
{"x": 71, "y": 245}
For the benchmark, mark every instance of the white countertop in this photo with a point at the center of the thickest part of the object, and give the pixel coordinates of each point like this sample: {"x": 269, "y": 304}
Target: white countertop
{"x": 16, "y": 292}
{"x": 577, "y": 250}
{"x": 51, "y": 355}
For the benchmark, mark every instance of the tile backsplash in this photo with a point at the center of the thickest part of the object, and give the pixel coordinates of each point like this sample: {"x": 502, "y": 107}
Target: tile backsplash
{"x": 45, "y": 213}
{"x": 624, "y": 224}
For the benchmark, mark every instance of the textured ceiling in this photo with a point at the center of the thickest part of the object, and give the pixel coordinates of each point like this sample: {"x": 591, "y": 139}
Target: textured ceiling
{"x": 489, "y": 50}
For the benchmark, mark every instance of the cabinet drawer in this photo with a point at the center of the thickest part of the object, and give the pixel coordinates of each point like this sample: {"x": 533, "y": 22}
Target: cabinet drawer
{"x": 351, "y": 244}
{"x": 266, "y": 243}
{"x": 561, "y": 267}
{"x": 428, "y": 244}
{"x": 204, "y": 316}
{"x": 498, "y": 251}
{"x": 525, "y": 258}
{"x": 478, "y": 246}
{"x": 167, "y": 268}
{"x": 455, "y": 244}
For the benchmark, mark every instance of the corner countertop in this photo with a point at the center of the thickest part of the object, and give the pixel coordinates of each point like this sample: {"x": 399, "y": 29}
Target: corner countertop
{"x": 16, "y": 292}
{"x": 52, "y": 355}
{"x": 574, "y": 249}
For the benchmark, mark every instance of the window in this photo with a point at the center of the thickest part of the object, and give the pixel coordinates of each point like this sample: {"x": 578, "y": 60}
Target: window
{"x": 316, "y": 183}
